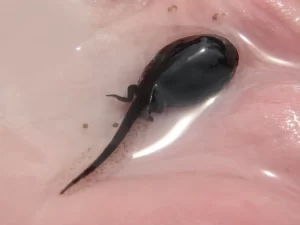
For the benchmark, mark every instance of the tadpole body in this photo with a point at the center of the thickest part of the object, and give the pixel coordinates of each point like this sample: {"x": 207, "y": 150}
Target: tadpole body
{"x": 182, "y": 73}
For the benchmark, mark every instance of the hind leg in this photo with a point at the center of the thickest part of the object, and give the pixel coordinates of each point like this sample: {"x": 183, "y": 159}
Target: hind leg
{"x": 131, "y": 91}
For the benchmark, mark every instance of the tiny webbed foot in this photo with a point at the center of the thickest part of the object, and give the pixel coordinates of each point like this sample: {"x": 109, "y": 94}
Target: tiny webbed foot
{"x": 146, "y": 116}
{"x": 131, "y": 91}
{"x": 150, "y": 118}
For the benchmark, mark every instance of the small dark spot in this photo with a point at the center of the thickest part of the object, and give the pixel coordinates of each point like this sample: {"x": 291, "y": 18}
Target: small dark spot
{"x": 287, "y": 169}
{"x": 215, "y": 16}
{"x": 172, "y": 8}
{"x": 85, "y": 125}
{"x": 89, "y": 149}
{"x": 115, "y": 125}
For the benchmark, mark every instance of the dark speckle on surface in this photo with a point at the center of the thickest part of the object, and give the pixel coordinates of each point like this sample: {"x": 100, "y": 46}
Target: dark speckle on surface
{"x": 215, "y": 16}
{"x": 172, "y": 8}
{"x": 85, "y": 125}
{"x": 115, "y": 125}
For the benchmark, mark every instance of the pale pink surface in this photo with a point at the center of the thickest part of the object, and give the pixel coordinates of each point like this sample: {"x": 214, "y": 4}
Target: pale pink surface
{"x": 237, "y": 163}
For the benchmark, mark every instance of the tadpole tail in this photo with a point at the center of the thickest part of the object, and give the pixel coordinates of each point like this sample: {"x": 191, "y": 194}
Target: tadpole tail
{"x": 104, "y": 155}
{"x": 82, "y": 175}
{"x": 132, "y": 114}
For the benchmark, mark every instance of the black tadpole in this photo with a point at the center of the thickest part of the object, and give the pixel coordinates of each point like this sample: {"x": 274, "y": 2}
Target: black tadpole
{"x": 184, "y": 72}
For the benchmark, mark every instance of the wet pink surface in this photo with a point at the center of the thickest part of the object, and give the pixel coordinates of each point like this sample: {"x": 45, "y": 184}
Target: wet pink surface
{"x": 236, "y": 162}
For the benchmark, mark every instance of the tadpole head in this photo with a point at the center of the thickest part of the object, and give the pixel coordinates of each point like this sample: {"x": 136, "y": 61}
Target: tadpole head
{"x": 199, "y": 68}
